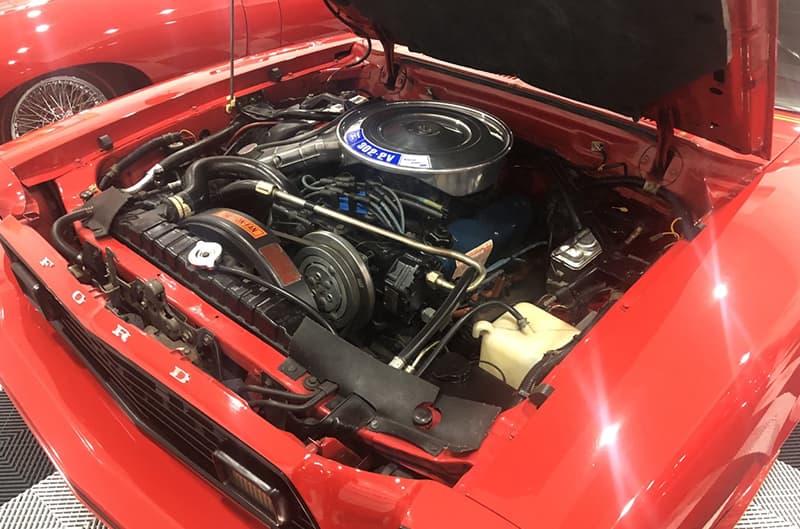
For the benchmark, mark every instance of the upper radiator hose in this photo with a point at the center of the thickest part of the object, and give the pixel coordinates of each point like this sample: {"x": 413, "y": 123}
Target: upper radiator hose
{"x": 195, "y": 181}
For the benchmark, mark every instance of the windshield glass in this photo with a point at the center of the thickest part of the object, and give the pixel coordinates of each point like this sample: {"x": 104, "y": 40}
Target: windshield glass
{"x": 788, "y": 86}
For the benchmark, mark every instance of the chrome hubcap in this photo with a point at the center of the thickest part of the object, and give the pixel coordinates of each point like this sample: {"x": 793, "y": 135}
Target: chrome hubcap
{"x": 53, "y": 99}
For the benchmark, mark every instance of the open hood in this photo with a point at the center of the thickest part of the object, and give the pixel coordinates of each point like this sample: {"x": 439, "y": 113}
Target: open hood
{"x": 703, "y": 66}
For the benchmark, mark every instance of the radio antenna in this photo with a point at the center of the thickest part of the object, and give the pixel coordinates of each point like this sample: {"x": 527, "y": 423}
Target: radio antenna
{"x": 232, "y": 95}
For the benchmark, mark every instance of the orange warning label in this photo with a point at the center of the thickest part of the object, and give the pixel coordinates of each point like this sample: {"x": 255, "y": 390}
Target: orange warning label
{"x": 247, "y": 225}
{"x": 480, "y": 253}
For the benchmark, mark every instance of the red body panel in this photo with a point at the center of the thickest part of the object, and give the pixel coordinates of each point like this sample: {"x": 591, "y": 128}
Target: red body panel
{"x": 685, "y": 389}
{"x": 665, "y": 415}
{"x": 160, "y": 39}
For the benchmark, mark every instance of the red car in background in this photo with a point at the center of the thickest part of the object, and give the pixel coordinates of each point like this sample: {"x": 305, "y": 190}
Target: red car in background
{"x": 506, "y": 265}
{"x": 59, "y": 57}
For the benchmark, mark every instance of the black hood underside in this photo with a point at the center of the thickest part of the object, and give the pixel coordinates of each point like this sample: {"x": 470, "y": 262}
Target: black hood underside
{"x": 618, "y": 54}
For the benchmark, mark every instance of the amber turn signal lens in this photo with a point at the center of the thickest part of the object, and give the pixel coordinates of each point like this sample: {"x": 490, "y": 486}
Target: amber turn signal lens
{"x": 248, "y": 487}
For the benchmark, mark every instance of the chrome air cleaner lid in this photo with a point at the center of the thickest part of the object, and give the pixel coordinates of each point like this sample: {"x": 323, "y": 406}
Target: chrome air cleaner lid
{"x": 455, "y": 148}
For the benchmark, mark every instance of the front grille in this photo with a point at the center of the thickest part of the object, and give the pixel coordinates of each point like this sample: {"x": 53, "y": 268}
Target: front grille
{"x": 187, "y": 431}
{"x": 158, "y": 411}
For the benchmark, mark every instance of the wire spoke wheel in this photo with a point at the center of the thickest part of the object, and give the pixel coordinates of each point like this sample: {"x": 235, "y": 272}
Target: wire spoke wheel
{"x": 53, "y": 99}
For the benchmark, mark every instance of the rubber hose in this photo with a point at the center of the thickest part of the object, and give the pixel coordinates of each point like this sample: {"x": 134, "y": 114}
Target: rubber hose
{"x": 451, "y": 332}
{"x": 302, "y": 137}
{"x": 196, "y": 178}
{"x": 439, "y": 319}
{"x": 126, "y": 161}
{"x": 302, "y": 155}
{"x": 189, "y": 152}
{"x": 60, "y": 226}
{"x": 178, "y": 158}
{"x": 541, "y": 369}
{"x": 677, "y": 205}
{"x": 422, "y": 208}
{"x": 568, "y": 203}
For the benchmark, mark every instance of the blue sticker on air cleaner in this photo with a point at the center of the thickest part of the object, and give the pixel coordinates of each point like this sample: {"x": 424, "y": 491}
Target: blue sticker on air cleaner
{"x": 356, "y": 140}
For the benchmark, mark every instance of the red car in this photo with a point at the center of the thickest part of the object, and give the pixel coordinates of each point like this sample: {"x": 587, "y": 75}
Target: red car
{"x": 60, "y": 57}
{"x": 457, "y": 286}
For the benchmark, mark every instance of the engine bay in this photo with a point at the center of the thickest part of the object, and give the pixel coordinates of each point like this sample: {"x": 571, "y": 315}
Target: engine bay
{"x": 419, "y": 269}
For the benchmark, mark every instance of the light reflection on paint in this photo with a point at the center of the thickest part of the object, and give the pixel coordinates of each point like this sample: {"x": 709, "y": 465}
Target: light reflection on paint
{"x": 41, "y": 28}
{"x": 720, "y": 291}
{"x": 22, "y": 50}
{"x": 167, "y": 11}
{"x": 236, "y": 405}
{"x": 607, "y": 445}
{"x": 111, "y": 31}
{"x": 627, "y": 508}
{"x": 745, "y": 357}
{"x": 609, "y": 435}
{"x": 33, "y": 13}
{"x": 88, "y": 444}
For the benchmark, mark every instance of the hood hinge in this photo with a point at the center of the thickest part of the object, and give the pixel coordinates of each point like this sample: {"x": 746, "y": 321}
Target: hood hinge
{"x": 665, "y": 133}
{"x": 390, "y": 69}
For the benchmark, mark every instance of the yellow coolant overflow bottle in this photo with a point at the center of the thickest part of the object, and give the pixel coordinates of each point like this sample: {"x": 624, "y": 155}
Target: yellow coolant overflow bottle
{"x": 508, "y": 352}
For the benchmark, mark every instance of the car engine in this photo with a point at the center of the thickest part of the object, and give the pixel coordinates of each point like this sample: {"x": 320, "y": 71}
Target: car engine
{"x": 418, "y": 268}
